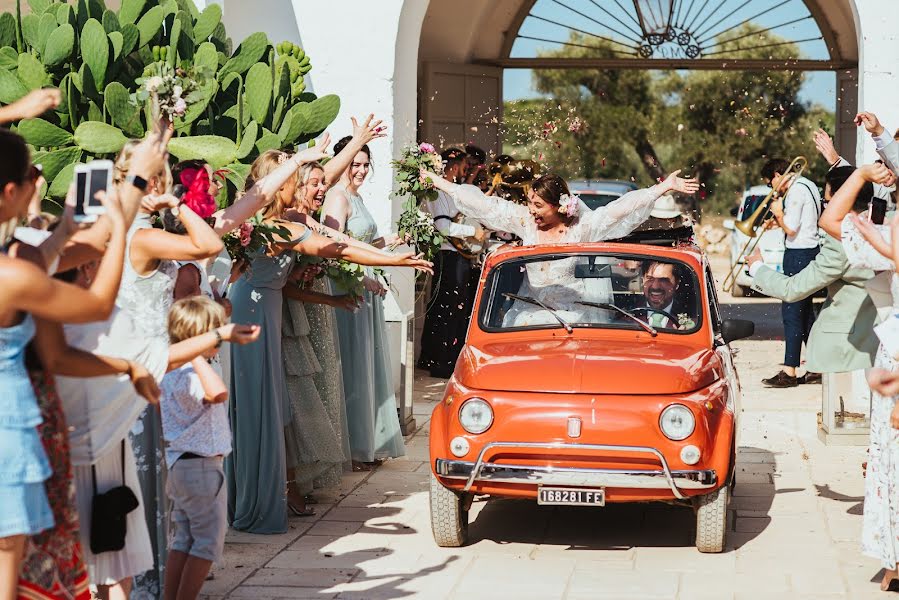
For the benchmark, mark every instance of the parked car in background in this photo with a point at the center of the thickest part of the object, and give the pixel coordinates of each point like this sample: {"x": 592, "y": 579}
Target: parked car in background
{"x": 771, "y": 245}
{"x": 593, "y": 404}
{"x": 599, "y": 192}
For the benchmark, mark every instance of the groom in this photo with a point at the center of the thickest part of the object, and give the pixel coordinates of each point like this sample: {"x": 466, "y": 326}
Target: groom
{"x": 661, "y": 283}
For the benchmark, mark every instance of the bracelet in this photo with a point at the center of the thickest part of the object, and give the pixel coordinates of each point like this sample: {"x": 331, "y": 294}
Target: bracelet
{"x": 218, "y": 338}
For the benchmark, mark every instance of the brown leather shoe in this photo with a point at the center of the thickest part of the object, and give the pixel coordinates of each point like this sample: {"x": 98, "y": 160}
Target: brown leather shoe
{"x": 781, "y": 380}
{"x": 810, "y": 378}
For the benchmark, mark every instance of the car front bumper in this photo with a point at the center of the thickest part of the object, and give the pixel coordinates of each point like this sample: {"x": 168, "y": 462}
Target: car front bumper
{"x": 664, "y": 478}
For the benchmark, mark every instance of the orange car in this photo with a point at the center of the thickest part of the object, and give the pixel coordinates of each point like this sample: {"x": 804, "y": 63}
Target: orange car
{"x": 592, "y": 373}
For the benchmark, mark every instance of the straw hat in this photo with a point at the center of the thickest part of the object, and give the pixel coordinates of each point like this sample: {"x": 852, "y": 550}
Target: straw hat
{"x": 665, "y": 208}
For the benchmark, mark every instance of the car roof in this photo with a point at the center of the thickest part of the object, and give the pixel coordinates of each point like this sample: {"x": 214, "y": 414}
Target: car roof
{"x": 688, "y": 253}
{"x": 612, "y": 186}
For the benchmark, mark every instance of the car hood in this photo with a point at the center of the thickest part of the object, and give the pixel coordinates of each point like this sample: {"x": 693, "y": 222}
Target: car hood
{"x": 663, "y": 365}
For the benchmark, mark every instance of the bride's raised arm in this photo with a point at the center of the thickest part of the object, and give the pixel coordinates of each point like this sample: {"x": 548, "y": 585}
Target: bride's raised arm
{"x": 620, "y": 217}
{"x": 493, "y": 212}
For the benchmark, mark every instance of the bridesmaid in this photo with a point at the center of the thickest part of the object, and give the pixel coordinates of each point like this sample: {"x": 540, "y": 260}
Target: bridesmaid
{"x": 259, "y": 404}
{"x": 317, "y": 434}
{"x": 374, "y": 426}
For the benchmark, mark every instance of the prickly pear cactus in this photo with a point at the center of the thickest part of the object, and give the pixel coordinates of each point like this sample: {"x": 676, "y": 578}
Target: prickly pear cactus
{"x": 256, "y": 101}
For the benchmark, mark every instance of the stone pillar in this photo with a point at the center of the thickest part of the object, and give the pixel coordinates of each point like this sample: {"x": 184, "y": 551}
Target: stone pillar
{"x": 878, "y": 69}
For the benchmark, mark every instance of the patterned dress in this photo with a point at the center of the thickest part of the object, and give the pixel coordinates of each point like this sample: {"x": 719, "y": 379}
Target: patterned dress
{"x": 52, "y": 567}
{"x": 147, "y": 299}
{"x": 880, "y": 527}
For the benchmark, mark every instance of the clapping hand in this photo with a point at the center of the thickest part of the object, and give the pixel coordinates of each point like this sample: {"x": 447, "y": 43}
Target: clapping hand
{"x": 314, "y": 153}
{"x": 824, "y": 144}
{"x": 673, "y": 183}
{"x": 240, "y": 334}
{"x": 870, "y": 122}
{"x": 877, "y": 173}
{"x": 369, "y": 130}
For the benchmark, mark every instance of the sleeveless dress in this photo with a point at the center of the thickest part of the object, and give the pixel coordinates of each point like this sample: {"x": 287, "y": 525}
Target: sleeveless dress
{"x": 24, "y": 509}
{"x": 259, "y": 406}
{"x": 316, "y": 431}
{"x": 880, "y": 525}
{"x": 373, "y": 421}
{"x": 147, "y": 299}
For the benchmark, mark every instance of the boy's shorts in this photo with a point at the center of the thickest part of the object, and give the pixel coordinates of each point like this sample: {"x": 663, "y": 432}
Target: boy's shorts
{"x": 196, "y": 487}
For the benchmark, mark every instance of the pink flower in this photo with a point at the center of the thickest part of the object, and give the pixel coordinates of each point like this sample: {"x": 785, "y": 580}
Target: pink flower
{"x": 426, "y": 148}
{"x": 180, "y": 107}
{"x": 244, "y": 240}
{"x": 246, "y": 228}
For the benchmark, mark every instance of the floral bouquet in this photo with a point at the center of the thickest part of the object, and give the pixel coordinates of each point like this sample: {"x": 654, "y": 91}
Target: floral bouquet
{"x": 252, "y": 236}
{"x": 348, "y": 277}
{"x": 173, "y": 88}
{"x": 416, "y": 227}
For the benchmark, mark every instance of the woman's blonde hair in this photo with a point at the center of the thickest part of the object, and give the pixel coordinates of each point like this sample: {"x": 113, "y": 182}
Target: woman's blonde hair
{"x": 266, "y": 163}
{"x": 123, "y": 163}
{"x": 190, "y": 317}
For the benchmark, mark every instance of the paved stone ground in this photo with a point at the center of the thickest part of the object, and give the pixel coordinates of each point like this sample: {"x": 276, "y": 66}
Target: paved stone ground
{"x": 795, "y": 524}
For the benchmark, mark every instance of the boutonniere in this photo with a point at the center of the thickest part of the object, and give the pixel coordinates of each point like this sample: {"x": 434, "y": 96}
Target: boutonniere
{"x": 685, "y": 322}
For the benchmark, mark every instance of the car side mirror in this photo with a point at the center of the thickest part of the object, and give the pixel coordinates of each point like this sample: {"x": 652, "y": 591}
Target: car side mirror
{"x": 736, "y": 329}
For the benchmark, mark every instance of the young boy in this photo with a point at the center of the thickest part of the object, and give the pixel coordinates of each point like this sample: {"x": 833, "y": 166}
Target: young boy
{"x": 198, "y": 437}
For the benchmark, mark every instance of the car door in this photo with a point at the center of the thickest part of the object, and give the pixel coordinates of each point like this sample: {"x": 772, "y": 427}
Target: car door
{"x": 724, "y": 351}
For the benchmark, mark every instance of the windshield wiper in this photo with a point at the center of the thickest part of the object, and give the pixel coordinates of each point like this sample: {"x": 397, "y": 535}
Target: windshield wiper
{"x": 551, "y": 311}
{"x": 646, "y": 326}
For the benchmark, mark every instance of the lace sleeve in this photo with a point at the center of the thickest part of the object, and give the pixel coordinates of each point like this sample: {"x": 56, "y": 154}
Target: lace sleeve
{"x": 617, "y": 219}
{"x": 495, "y": 213}
{"x": 860, "y": 252}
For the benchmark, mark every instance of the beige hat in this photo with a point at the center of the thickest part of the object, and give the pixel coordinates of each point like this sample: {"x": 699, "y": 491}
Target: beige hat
{"x": 665, "y": 208}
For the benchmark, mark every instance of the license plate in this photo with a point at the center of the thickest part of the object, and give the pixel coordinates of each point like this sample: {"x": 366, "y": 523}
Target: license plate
{"x": 571, "y": 496}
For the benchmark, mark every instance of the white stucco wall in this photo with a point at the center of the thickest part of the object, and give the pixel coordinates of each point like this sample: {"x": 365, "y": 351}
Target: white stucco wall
{"x": 878, "y": 68}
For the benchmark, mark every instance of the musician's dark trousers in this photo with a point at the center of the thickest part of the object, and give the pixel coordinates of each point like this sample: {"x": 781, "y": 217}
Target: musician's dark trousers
{"x": 449, "y": 308}
{"x": 798, "y": 317}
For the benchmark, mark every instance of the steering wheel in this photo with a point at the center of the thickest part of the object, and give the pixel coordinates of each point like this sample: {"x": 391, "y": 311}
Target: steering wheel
{"x": 648, "y": 310}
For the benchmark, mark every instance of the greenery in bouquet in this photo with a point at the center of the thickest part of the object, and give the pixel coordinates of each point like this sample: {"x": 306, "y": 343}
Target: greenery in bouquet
{"x": 251, "y": 237}
{"x": 416, "y": 227}
{"x": 348, "y": 277}
{"x": 175, "y": 89}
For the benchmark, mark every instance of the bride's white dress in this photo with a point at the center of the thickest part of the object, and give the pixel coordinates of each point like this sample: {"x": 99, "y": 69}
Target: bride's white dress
{"x": 554, "y": 282}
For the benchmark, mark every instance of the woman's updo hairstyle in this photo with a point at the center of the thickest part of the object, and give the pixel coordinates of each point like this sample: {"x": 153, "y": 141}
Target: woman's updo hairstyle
{"x": 551, "y": 188}
{"x": 341, "y": 144}
{"x": 16, "y": 158}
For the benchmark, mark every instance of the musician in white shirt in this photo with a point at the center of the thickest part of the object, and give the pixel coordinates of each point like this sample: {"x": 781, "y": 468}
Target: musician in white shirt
{"x": 453, "y": 286}
{"x": 797, "y": 214}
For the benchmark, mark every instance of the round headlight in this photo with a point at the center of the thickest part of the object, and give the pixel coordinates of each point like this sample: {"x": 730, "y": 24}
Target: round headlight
{"x": 476, "y": 416}
{"x": 677, "y": 422}
{"x": 690, "y": 455}
{"x": 459, "y": 446}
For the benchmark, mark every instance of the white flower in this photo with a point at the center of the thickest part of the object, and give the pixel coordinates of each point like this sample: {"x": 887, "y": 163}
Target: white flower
{"x": 177, "y": 91}
{"x": 255, "y": 296}
{"x": 568, "y": 204}
{"x": 153, "y": 83}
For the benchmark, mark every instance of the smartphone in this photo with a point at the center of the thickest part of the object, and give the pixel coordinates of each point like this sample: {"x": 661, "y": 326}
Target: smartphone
{"x": 877, "y": 211}
{"x": 94, "y": 177}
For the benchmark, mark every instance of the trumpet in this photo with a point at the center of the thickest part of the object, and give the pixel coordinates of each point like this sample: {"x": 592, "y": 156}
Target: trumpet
{"x": 761, "y": 218}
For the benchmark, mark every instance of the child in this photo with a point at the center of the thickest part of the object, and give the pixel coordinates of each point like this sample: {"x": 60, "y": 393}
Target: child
{"x": 198, "y": 437}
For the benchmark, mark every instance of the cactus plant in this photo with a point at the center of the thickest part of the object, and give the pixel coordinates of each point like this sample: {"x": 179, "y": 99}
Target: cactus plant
{"x": 255, "y": 101}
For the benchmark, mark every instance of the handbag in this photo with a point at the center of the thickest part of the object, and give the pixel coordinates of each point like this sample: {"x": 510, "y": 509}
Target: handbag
{"x": 109, "y": 512}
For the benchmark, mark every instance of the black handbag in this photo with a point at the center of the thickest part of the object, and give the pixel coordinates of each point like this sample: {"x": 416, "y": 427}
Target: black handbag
{"x": 108, "y": 514}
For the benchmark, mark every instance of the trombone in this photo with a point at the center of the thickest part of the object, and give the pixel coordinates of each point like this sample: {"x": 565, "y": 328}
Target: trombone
{"x": 755, "y": 224}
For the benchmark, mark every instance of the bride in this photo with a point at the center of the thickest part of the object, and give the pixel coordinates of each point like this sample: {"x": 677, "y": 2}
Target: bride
{"x": 555, "y": 216}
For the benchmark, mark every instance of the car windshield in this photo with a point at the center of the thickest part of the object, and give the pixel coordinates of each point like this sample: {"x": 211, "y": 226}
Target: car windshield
{"x": 570, "y": 291}
{"x": 594, "y": 200}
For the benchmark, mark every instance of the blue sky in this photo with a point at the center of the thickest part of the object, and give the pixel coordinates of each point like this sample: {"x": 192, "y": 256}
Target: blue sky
{"x": 819, "y": 87}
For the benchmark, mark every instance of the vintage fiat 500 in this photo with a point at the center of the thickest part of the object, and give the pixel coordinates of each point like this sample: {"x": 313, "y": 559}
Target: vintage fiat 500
{"x": 592, "y": 373}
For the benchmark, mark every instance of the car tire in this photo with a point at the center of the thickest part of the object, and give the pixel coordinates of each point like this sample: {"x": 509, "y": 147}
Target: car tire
{"x": 449, "y": 519}
{"x": 711, "y": 520}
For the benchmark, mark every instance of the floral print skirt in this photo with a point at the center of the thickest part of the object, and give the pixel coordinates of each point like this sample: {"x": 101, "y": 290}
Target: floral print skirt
{"x": 53, "y": 567}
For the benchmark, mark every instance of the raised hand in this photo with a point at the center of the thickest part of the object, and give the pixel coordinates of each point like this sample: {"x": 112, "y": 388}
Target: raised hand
{"x": 416, "y": 261}
{"x": 876, "y": 173}
{"x": 150, "y": 156}
{"x": 240, "y": 334}
{"x": 316, "y": 152}
{"x": 157, "y": 203}
{"x": 368, "y": 131}
{"x": 870, "y": 122}
{"x": 32, "y": 105}
{"x": 824, "y": 144}
{"x": 673, "y": 183}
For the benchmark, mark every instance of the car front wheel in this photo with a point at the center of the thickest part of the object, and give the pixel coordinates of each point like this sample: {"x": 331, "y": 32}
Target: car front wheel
{"x": 449, "y": 519}
{"x": 711, "y": 520}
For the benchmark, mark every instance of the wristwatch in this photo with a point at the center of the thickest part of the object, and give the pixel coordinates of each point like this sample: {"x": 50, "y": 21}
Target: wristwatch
{"x": 137, "y": 181}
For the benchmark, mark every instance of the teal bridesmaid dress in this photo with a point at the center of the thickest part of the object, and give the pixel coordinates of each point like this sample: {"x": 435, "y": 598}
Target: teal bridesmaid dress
{"x": 372, "y": 419}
